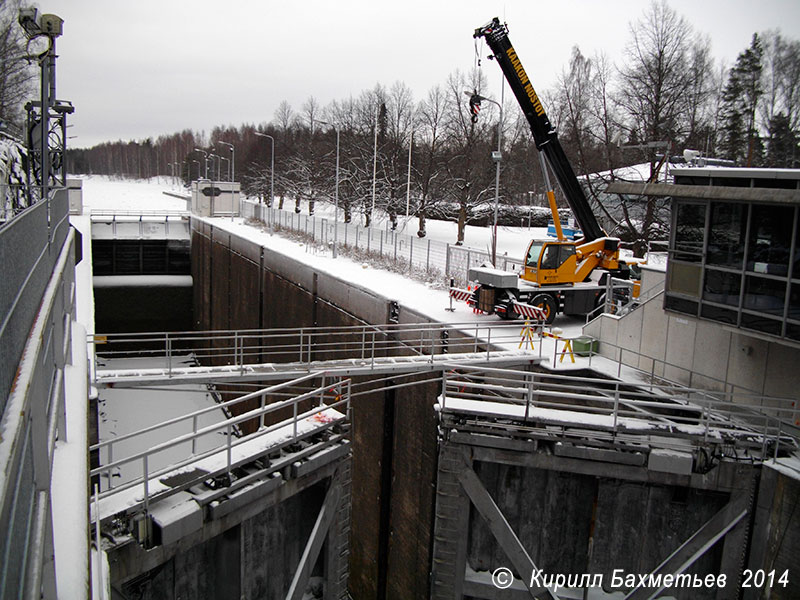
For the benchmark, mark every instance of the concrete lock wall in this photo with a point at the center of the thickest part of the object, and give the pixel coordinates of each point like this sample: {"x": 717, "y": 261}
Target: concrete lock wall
{"x": 237, "y": 285}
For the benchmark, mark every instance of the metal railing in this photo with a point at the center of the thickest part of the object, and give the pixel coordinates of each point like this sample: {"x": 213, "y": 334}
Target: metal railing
{"x": 324, "y": 398}
{"x": 106, "y": 212}
{"x": 241, "y": 349}
{"x": 612, "y": 411}
{"x": 783, "y": 408}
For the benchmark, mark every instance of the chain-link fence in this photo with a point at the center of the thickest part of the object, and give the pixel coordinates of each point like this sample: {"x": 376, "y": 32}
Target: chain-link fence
{"x": 437, "y": 260}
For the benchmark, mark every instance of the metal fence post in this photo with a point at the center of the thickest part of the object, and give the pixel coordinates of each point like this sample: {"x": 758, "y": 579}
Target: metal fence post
{"x": 428, "y": 258}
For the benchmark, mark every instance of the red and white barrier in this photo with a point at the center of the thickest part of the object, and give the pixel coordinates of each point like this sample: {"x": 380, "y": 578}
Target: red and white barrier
{"x": 530, "y": 312}
{"x": 461, "y": 295}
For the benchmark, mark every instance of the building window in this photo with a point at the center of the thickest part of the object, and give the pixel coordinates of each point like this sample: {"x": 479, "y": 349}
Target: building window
{"x": 684, "y": 278}
{"x": 726, "y": 234}
{"x": 794, "y": 302}
{"x": 761, "y": 323}
{"x": 796, "y": 268}
{"x": 770, "y": 239}
{"x": 765, "y": 295}
{"x": 690, "y": 231}
{"x": 722, "y": 287}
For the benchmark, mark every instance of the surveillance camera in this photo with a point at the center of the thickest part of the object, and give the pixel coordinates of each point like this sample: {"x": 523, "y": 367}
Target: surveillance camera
{"x": 52, "y": 24}
{"x": 28, "y": 19}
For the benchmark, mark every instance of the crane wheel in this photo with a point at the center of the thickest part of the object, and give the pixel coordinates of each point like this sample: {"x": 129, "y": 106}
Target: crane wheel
{"x": 548, "y": 304}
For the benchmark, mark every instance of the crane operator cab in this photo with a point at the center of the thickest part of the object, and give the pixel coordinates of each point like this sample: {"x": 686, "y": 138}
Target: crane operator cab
{"x": 550, "y": 262}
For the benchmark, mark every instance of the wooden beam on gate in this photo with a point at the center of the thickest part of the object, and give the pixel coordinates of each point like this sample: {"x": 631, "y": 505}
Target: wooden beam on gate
{"x": 502, "y": 531}
{"x": 695, "y": 546}
{"x": 315, "y": 541}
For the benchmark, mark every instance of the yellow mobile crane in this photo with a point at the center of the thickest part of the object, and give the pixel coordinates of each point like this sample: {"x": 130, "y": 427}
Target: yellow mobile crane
{"x": 559, "y": 275}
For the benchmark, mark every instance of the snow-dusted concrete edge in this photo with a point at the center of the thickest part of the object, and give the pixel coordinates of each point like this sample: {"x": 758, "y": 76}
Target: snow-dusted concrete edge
{"x": 70, "y": 479}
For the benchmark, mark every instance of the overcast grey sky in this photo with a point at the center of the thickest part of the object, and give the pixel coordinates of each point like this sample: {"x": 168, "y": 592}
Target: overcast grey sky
{"x": 135, "y": 69}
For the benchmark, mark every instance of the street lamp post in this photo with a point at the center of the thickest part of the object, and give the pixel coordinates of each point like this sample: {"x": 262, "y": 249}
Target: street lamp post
{"x": 408, "y": 181}
{"x": 228, "y": 160}
{"x": 336, "y": 190}
{"x": 205, "y": 154}
{"x": 374, "y": 163}
{"x": 212, "y": 156}
{"x": 497, "y": 157}
{"x": 530, "y": 207}
{"x": 271, "y": 167}
{"x": 232, "y": 163}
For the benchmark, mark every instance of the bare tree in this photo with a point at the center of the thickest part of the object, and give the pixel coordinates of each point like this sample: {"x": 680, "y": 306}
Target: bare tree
{"x": 654, "y": 77}
{"x": 467, "y": 161}
{"x": 16, "y": 74}
{"x": 431, "y": 115}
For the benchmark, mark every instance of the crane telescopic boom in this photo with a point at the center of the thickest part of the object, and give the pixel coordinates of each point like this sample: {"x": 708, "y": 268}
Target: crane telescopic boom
{"x": 544, "y": 134}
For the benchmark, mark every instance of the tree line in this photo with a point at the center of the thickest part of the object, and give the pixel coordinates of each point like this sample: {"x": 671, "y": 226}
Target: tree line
{"x": 665, "y": 94}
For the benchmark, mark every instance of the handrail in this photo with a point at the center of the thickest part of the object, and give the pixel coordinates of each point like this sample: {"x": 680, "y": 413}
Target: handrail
{"x": 784, "y": 404}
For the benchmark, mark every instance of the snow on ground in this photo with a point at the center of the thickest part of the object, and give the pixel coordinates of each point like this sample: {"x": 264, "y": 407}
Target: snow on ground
{"x": 106, "y": 193}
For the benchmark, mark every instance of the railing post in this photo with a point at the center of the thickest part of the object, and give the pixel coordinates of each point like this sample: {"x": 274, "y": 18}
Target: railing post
{"x": 616, "y": 405}
{"x": 194, "y": 435}
{"x": 444, "y": 388}
{"x": 146, "y": 485}
{"x": 168, "y": 344}
{"x": 529, "y": 398}
{"x": 294, "y": 421}
{"x": 301, "y": 344}
{"x": 363, "y": 342}
{"x": 110, "y": 460}
{"x": 228, "y": 449}
{"x": 428, "y": 257}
